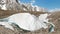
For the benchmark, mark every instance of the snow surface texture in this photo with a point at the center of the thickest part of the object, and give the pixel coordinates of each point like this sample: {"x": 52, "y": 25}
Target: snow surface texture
{"x": 29, "y": 22}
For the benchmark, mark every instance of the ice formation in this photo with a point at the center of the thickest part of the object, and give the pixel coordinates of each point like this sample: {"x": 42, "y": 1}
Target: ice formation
{"x": 29, "y": 22}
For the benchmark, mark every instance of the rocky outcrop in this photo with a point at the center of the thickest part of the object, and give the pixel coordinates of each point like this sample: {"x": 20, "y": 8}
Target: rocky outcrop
{"x": 9, "y": 4}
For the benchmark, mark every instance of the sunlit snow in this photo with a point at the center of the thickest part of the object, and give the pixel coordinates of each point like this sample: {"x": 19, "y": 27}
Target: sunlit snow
{"x": 4, "y": 7}
{"x": 3, "y": 4}
{"x": 29, "y": 22}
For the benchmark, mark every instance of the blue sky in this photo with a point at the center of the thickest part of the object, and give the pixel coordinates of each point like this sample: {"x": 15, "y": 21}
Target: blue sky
{"x": 49, "y": 4}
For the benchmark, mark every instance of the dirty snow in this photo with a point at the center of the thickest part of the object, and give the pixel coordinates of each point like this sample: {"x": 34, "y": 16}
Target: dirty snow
{"x": 7, "y": 25}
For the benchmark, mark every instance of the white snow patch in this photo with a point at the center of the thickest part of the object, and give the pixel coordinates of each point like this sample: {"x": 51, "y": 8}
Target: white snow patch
{"x": 3, "y": 7}
{"x": 24, "y": 9}
{"x": 37, "y": 8}
{"x": 42, "y": 19}
{"x": 29, "y": 22}
{"x": 3, "y": 4}
{"x": 24, "y": 20}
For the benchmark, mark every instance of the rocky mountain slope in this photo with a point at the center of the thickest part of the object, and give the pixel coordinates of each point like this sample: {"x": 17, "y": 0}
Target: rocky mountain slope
{"x": 16, "y": 5}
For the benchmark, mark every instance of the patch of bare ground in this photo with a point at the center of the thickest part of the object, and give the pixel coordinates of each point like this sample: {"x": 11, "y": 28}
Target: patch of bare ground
{"x": 6, "y": 13}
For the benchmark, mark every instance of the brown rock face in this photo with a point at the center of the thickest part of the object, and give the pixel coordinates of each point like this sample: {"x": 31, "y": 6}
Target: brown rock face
{"x": 12, "y": 4}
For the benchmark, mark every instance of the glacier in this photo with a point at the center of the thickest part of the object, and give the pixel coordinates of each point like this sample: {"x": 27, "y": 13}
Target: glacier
{"x": 29, "y": 22}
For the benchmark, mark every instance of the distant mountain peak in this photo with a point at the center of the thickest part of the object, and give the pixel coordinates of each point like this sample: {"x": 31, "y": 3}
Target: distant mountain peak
{"x": 54, "y": 10}
{"x": 17, "y": 5}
